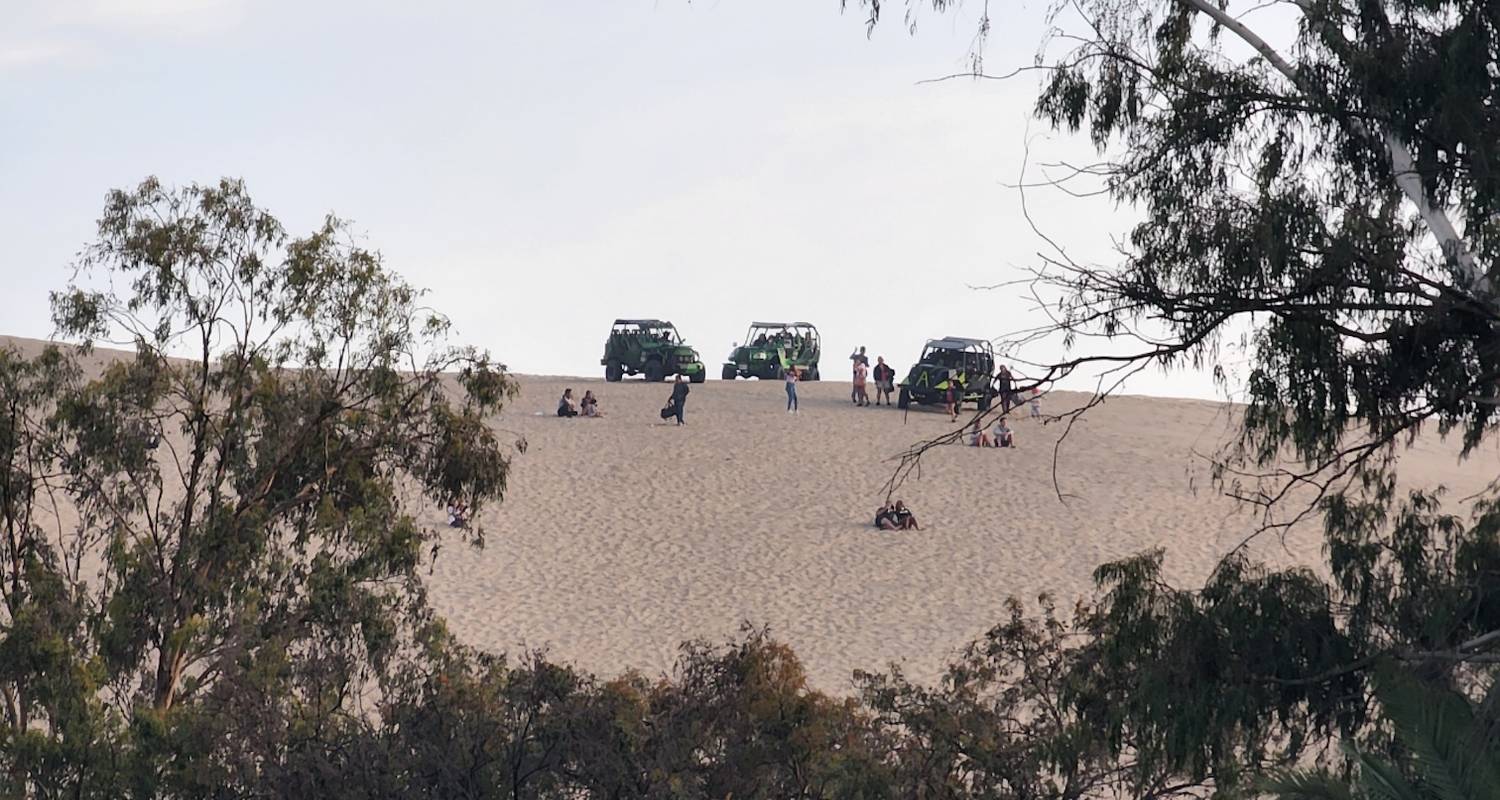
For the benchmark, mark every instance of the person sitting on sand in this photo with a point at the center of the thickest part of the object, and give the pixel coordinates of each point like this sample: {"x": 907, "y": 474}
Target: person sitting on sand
{"x": 977, "y": 436}
{"x": 1004, "y": 436}
{"x": 885, "y": 518}
{"x": 565, "y": 406}
{"x": 590, "y": 405}
{"x": 458, "y": 515}
{"x": 904, "y": 519}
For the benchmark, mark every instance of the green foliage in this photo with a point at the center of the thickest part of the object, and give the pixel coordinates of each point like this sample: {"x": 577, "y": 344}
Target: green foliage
{"x": 251, "y": 484}
{"x": 1447, "y": 750}
{"x": 1327, "y": 199}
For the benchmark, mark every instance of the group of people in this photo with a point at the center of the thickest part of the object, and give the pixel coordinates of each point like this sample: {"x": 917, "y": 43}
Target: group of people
{"x": 1001, "y": 436}
{"x": 458, "y": 514}
{"x": 883, "y": 375}
{"x": 896, "y": 517}
{"x": 791, "y": 344}
{"x": 568, "y": 406}
{"x": 891, "y": 516}
{"x": 588, "y": 407}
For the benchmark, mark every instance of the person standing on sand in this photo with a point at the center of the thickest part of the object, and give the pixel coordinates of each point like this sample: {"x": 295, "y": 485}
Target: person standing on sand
{"x": 860, "y": 397}
{"x": 791, "y": 391}
{"x": 679, "y": 398}
{"x": 1005, "y": 383}
{"x": 1036, "y": 403}
{"x": 952, "y": 398}
{"x": 885, "y": 380}
{"x": 858, "y": 357}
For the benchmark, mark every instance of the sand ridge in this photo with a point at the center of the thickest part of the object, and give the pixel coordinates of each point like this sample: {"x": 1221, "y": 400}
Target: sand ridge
{"x": 622, "y": 537}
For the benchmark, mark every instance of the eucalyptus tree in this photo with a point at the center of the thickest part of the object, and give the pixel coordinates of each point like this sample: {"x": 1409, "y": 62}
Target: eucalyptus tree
{"x": 256, "y": 488}
{"x": 1315, "y": 183}
{"x": 1333, "y": 193}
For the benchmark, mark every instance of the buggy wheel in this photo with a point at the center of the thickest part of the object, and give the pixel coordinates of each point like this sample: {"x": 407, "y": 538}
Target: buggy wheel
{"x": 730, "y": 373}
{"x": 777, "y": 373}
{"x": 654, "y": 372}
{"x": 812, "y": 373}
{"x": 613, "y": 372}
{"x": 985, "y": 400}
{"x": 904, "y": 399}
{"x": 699, "y": 376}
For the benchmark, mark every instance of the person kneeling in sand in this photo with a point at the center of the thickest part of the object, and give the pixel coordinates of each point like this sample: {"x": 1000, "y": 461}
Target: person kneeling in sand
{"x": 885, "y": 518}
{"x": 904, "y": 519}
{"x": 1004, "y": 436}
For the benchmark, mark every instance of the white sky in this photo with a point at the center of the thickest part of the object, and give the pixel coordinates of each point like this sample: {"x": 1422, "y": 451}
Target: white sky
{"x": 544, "y": 167}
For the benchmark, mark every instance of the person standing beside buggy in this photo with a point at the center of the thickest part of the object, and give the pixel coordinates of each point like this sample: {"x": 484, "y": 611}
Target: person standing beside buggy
{"x": 1005, "y": 384}
{"x": 885, "y": 381}
{"x": 679, "y": 398}
{"x": 859, "y": 358}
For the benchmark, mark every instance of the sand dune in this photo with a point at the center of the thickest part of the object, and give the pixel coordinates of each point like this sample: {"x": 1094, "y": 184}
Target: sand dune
{"x": 621, "y": 537}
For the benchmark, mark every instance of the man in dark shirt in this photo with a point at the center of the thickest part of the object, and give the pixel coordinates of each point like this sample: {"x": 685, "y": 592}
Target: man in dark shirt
{"x": 679, "y": 397}
{"x": 885, "y": 380}
{"x": 1006, "y": 385}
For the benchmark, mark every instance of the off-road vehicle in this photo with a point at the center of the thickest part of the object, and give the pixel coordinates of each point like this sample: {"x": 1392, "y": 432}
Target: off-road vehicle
{"x": 651, "y": 347}
{"x": 772, "y": 348}
{"x": 970, "y": 362}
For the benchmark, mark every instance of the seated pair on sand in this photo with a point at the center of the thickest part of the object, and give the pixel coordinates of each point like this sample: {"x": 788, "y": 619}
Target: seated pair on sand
{"x": 896, "y": 517}
{"x": 589, "y": 406}
{"x": 458, "y": 514}
{"x": 1002, "y": 436}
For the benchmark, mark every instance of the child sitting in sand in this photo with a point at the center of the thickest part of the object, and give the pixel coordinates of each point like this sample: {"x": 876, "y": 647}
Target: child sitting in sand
{"x": 885, "y": 518}
{"x": 1004, "y": 436}
{"x": 977, "y": 436}
{"x": 590, "y": 405}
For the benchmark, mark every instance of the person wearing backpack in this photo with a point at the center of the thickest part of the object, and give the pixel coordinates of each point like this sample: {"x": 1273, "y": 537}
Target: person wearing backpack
{"x": 679, "y": 398}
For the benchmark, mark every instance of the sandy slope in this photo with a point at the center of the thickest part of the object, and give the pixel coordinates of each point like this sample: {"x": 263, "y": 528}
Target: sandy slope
{"x": 622, "y": 537}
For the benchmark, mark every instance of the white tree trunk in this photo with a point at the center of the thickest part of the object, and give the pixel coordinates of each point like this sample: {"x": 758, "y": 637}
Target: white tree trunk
{"x": 1473, "y": 279}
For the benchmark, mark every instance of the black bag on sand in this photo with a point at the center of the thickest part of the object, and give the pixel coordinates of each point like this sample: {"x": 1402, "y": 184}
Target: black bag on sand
{"x": 666, "y": 411}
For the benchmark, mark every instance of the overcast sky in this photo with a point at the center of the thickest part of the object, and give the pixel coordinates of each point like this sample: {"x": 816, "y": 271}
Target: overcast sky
{"x": 543, "y": 167}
